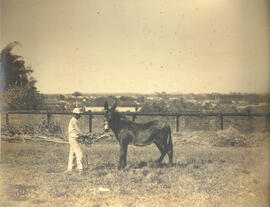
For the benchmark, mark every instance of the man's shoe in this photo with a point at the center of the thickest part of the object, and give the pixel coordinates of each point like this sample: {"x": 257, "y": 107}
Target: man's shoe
{"x": 68, "y": 171}
{"x": 80, "y": 172}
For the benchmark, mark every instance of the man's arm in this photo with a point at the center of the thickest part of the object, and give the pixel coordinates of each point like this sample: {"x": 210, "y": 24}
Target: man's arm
{"x": 77, "y": 128}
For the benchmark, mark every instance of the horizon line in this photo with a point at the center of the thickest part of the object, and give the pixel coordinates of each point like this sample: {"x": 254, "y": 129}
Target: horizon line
{"x": 155, "y": 93}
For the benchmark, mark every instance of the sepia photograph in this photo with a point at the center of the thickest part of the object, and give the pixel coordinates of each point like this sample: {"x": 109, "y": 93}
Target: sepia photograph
{"x": 157, "y": 103}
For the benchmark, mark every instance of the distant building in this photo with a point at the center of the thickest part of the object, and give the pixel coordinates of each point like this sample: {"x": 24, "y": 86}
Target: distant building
{"x": 128, "y": 109}
{"x": 119, "y": 108}
{"x": 94, "y": 108}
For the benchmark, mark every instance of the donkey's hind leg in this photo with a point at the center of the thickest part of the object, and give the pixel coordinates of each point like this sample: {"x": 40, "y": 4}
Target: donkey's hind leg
{"x": 170, "y": 147}
{"x": 163, "y": 152}
{"x": 170, "y": 154}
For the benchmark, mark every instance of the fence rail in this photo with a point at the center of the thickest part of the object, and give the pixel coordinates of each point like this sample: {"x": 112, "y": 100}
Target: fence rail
{"x": 136, "y": 114}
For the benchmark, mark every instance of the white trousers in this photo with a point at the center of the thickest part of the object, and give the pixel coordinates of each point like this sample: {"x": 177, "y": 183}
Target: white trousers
{"x": 75, "y": 151}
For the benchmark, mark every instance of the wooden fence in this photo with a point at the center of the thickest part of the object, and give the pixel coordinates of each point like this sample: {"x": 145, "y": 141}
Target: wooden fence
{"x": 90, "y": 115}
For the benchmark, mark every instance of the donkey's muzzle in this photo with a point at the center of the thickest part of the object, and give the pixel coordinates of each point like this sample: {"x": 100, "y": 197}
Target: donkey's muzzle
{"x": 106, "y": 126}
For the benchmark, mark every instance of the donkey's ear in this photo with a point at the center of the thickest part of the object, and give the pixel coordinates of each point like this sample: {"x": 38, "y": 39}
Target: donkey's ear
{"x": 106, "y": 105}
{"x": 114, "y": 106}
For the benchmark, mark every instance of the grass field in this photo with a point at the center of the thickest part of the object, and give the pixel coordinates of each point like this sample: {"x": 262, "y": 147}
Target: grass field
{"x": 202, "y": 175}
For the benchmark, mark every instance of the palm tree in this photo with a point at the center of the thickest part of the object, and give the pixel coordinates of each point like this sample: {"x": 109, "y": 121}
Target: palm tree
{"x": 13, "y": 69}
{"x": 17, "y": 86}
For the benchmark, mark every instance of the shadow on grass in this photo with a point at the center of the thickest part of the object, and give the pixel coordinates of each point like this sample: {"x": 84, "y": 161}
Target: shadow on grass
{"x": 151, "y": 164}
{"x": 140, "y": 165}
{"x": 196, "y": 163}
{"x": 105, "y": 166}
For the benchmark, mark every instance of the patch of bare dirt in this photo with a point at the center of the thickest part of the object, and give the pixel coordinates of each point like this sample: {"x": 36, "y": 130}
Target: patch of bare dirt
{"x": 229, "y": 137}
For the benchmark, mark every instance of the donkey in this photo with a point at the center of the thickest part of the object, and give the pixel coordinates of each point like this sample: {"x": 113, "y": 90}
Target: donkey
{"x": 139, "y": 134}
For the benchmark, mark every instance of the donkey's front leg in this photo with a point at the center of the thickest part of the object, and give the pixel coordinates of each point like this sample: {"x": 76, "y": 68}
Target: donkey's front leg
{"x": 123, "y": 154}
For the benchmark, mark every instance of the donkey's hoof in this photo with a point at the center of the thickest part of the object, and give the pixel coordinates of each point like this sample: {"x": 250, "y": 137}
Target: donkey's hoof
{"x": 120, "y": 167}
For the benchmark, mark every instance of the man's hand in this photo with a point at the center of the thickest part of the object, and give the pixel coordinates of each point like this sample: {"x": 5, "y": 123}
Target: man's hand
{"x": 88, "y": 134}
{"x": 85, "y": 134}
{"x": 85, "y": 139}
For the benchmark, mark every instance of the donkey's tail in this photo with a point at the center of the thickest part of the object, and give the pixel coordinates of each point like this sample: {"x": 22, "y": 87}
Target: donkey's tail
{"x": 170, "y": 145}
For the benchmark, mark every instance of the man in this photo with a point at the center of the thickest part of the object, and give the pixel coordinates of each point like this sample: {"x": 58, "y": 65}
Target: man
{"x": 74, "y": 132}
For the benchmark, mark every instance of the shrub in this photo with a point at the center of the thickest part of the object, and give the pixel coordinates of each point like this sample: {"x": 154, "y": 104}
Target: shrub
{"x": 48, "y": 128}
{"x": 20, "y": 130}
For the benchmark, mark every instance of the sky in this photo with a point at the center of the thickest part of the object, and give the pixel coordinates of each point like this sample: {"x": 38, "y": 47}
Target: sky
{"x": 122, "y": 46}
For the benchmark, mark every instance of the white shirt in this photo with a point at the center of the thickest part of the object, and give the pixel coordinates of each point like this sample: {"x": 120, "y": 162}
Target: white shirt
{"x": 73, "y": 128}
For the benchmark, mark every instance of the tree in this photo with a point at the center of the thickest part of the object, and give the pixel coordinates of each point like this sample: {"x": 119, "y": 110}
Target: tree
{"x": 17, "y": 85}
{"x": 61, "y": 97}
{"x": 76, "y": 94}
{"x": 13, "y": 70}
{"x": 27, "y": 98}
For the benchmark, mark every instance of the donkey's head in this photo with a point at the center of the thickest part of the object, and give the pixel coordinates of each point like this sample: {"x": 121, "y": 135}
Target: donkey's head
{"x": 110, "y": 116}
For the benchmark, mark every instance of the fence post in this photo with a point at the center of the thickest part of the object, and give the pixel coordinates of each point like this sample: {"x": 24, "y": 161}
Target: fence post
{"x": 266, "y": 119}
{"x": 177, "y": 123}
{"x": 90, "y": 121}
{"x": 133, "y": 117}
{"x": 49, "y": 117}
{"x": 7, "y": 120}
{"x": 221, "y": 121}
